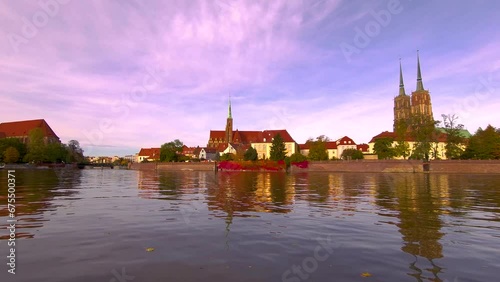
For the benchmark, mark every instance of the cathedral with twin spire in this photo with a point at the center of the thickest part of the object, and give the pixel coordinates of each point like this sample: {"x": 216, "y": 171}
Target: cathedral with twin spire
{"x": 419, "y": 103}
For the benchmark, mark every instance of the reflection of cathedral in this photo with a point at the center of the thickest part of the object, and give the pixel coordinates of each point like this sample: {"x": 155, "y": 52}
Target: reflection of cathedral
{"x": 420, "y": 201}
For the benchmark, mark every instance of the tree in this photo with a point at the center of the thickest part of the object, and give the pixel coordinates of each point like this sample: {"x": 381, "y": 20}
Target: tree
{"x": 484, "y": 144}
{"x": 423, "y": 130}
{"x": 169, "y": 152}
{"x": 227, "y": 157}
{"x": 36, "y": 146}
{"x": 383, "y": 148}
{"x": 12, "y": 142}
{"x": 75, "y": 152}
{"x": 454, "y": 140}
{"x": 352, "y": 154}
{"x": 297, "y": 157}
{"x": 402, "y": 148}
{"x": 11, "y": 155}
{"x": 278, "y": 149}
{"x": 250, "y": 154}
{"x": 57, "y": 153}
{"x": 317, "y": 148}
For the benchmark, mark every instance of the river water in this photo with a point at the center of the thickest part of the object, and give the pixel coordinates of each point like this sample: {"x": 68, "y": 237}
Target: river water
{"x": 123, "y": 225}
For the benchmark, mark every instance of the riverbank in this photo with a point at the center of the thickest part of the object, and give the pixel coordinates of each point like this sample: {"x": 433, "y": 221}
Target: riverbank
{"x": 408, "y": 166}
{"x": 374, "y": 166}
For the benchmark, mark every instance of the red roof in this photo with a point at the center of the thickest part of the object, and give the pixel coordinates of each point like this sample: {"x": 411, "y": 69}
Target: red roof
{"x": 187, "y": 150}
{"x": 331, "y": 145}
{"x": 220, "y": 134}
{"x": 345, "y": 141}
{"x": 304, "y": 146}
{"x": 221, "y": 147}
{"x": 151, "y": 153}
{"x": 248, "y": 137}
{"x": 269, "y": 135}
{"x": 385, "y": 134}
{"x": 362, "y": 147}
{"x": 22, "y": 128}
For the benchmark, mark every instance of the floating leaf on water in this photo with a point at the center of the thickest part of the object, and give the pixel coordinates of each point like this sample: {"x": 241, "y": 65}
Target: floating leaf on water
{"x": 366, "y": 274}
{"x": 150, "y": 249}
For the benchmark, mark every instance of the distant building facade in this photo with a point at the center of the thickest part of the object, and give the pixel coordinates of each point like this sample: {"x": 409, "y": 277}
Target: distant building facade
{"x": 148, "y": 154}
{"x": 335, "y": 148}
{"x": 21, "y": 130}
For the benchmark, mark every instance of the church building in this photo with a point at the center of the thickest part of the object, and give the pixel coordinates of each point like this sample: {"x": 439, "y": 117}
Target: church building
{"x": 232, "y": 141}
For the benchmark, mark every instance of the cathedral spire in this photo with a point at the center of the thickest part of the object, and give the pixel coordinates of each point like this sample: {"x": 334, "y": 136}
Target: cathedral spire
{"x": 401, "y": 84}
{"x": 229, "y": 115}
{"x": 420, "y": 85}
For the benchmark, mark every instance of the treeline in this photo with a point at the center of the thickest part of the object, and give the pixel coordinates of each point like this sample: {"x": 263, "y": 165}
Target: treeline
{"x": 12, "y": 150}
{"x": 484, "y": 144}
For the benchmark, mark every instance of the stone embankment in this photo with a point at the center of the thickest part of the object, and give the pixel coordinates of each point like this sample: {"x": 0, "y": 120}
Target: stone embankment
{"x": 386, "y": 166}
{"x": 445, "y": 166}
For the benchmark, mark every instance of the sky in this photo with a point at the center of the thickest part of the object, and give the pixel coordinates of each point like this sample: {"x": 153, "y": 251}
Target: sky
{"x": 121, "y": 75}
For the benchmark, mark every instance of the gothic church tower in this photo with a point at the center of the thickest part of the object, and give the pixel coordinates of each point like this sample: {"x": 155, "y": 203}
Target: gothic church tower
{"x": 418, "y": 105}
{"x": 229, "y": 125}
{"x": 420, "y": 98}
{"x": 402, "y": 104}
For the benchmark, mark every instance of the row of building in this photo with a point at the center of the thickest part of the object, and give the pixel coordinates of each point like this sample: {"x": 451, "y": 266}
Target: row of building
{"x": 234, "y": 141}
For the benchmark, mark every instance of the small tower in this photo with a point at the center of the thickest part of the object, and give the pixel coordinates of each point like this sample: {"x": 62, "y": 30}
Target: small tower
{"x": 402, "y": 104}
{"x": 229, "y": 125}
{"x": 421, "y": 99}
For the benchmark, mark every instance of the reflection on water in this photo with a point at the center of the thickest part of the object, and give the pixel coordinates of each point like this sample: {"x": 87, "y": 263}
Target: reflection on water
{"x": 405, "y": 227}
{"x": 35, "y": 193}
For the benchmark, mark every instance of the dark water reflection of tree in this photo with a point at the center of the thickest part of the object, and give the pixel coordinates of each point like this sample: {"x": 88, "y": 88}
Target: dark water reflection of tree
{"x": 35, "y": 192}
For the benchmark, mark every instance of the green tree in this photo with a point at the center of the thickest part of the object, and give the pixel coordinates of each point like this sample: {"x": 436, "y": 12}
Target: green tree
{"x": 454, "y": 139}
{"x": 423, "y": 131}
{"x": 383, "y": 148}
{"x": 169, "y": 152}
{"x": 352, "y": 154}
{"x": 250, "y": 154}
{"x": 11, "y": 155}
{"x": 12, "y": 142}
{"x": 317, "y": 148}
{"x": 484, "y": 144}
{"x": 36, "y": 146}
{"x": 297, "y": 157}
{"x": 402, "y": 148}
{"x": 227, "y": 157}
{"x": 56, "y": 153}
{"x": 278, "y": 149}
{"x": 75, "y": 152}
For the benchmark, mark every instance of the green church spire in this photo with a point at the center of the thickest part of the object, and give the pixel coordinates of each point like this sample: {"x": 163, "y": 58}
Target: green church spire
{"x": 401, "y": 84}
{"x": 420, "y": 85}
